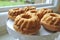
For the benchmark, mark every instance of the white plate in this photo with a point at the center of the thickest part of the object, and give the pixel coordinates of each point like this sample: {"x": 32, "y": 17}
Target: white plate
{"x": 42, "y": 33}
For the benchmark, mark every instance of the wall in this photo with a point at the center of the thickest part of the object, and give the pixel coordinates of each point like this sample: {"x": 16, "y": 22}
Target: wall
{"x": 3, "y": 19}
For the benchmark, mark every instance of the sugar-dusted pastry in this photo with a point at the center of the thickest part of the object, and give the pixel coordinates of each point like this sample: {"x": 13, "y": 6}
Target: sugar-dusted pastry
{"x": 27, "y": 24}
{"x": 12, "y": 13}
{"x": 51, "y": 22}
{"x": 41, "y": 12}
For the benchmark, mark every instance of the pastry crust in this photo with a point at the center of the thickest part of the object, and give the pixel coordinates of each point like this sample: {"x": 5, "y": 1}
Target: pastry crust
{"x": 15, "y": 12}
{"x": 32, "y": 12}
{"x": 27, "y": 24}
{"x": 29, "y": 8}
{"x": 40, "y": 13}
{"x": 51, "y": 21}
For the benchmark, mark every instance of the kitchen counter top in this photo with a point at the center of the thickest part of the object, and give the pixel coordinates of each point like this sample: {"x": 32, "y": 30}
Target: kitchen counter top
{"x": 6, "y": 36}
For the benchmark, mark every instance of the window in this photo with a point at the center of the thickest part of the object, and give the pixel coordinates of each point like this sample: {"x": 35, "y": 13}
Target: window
{"x": 5, "y": 5}
{"x": 19, "y": 2}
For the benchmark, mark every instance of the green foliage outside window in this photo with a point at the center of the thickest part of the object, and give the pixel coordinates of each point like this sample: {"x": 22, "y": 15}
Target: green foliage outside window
{"x": 4, "y": 0}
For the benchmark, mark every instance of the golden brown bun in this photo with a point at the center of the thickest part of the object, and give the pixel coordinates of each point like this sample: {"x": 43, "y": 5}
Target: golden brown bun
{"x": 40, "y": 13}
{"x": 29, "y": 8}
{"x": 43, "y": 11}
{"x": 27, "y": 24}
{"x": 32, "y": 12}
{"x": 51, "y": 21}
{"x": 15, "y": 12}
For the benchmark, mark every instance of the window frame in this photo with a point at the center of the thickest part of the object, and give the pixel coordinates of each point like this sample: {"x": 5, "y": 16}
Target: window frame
{"x": 48, "y": 4}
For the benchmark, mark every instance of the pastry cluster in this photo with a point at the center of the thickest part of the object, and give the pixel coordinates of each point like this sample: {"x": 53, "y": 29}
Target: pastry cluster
{"x": 28, "y": 20}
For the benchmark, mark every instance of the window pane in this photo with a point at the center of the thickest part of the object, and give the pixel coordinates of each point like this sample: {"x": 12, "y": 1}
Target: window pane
{"x": 19, "y": 2}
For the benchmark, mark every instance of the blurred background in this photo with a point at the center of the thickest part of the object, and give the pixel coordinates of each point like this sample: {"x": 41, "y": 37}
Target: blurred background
{"x": 19, "y": 2}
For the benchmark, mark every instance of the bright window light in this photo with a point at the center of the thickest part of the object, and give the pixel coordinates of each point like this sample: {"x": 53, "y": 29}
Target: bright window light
{"x": 5, "y": 5}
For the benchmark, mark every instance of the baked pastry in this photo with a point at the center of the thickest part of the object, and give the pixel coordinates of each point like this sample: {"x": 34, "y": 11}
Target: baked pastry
{"x": 15, "y": 12}
{"x": 51, "y": 22}
{"x": 31, "y": 12}
{"x": 29, "y": 8}
{"x": 40, "y": 13}
{"x": 27, "y": 24}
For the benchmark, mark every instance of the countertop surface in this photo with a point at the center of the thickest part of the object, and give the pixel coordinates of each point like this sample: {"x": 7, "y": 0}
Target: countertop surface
{"x": 6, "y": 36}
